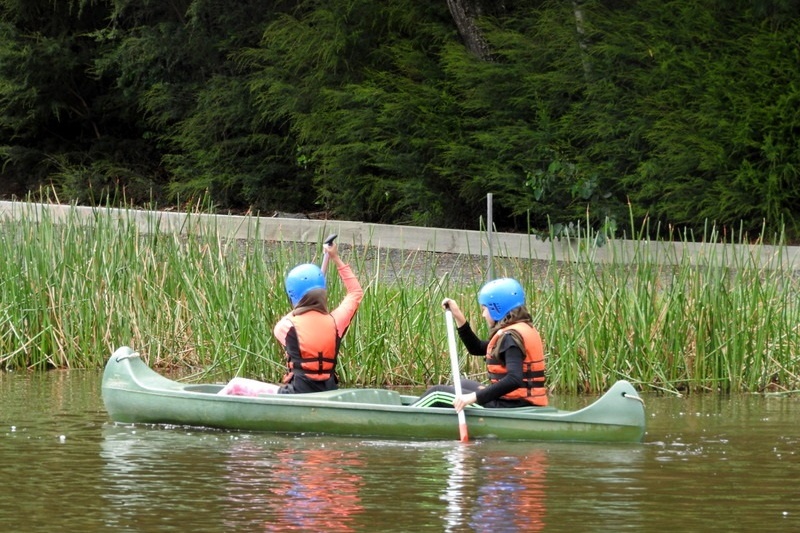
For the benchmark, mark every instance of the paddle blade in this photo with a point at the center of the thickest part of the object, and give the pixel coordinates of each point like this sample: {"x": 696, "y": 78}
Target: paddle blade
{"x": 462, "y": 427}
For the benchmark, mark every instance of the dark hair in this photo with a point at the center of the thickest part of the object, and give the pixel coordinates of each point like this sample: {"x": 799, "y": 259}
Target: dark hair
{"x": 313, "y": 300}
{"x": 518, "y": 314}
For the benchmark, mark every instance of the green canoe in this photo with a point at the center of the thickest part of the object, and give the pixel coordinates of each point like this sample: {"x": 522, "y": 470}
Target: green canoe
{"x": 134, "y": 393}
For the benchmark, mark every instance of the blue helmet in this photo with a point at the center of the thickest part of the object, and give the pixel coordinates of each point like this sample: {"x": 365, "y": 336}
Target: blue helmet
{"x": 302, "y": 279}
{"x": 501, "y": 296}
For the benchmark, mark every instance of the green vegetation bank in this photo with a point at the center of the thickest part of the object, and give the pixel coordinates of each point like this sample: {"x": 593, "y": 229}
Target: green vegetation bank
{"x": 72, "y": 292}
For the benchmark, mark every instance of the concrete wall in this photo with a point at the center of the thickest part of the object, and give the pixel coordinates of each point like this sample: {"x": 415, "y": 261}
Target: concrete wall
{"x": 415, "y": 238}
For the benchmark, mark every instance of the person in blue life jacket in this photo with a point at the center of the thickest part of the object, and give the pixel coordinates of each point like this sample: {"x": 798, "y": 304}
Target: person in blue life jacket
{"x": 514, "y": 352}
{"x": 309, "y": 333}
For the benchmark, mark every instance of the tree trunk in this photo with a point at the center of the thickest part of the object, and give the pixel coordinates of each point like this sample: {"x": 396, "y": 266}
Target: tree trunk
{"x": 464, "y": 13}
{"x": 577, "y": 8}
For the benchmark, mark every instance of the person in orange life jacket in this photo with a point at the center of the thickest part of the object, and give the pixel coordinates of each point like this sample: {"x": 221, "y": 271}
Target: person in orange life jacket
{"x": 309, "y": 333}
{"x": 514, "y": 352}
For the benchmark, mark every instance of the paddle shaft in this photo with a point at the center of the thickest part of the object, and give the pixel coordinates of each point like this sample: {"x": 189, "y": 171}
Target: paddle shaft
{"x": 451, "y": 343}
{"x": 328, "y": 240}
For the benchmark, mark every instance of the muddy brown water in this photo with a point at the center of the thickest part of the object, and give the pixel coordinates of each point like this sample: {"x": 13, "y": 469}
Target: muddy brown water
{"x": 708, "y": 463}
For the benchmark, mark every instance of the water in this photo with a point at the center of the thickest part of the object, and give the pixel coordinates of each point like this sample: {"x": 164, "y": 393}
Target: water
{"x": 708, "y": 463}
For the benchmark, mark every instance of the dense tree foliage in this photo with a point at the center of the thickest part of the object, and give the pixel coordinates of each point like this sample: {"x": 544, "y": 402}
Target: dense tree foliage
{"x": 681, "y": 112}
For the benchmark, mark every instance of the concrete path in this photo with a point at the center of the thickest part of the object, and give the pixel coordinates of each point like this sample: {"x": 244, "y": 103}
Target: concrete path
{"x": 416, "y": 238}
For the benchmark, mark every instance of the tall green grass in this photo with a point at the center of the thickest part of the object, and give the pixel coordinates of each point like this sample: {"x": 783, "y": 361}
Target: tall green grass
{"x": 71, "y": 293}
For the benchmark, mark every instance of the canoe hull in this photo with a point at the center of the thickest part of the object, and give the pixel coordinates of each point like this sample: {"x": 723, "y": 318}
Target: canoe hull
{"x": 133, "y": 393}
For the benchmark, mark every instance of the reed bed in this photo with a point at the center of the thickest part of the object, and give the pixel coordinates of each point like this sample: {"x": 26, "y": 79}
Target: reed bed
{"x": 71, "y": 293}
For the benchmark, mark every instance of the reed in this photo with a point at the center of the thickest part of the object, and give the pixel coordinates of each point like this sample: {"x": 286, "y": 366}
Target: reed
{"x": 71, "y": 292}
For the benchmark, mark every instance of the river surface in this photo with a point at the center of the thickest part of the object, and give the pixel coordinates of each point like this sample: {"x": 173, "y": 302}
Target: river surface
{"x": 708, "y": 463}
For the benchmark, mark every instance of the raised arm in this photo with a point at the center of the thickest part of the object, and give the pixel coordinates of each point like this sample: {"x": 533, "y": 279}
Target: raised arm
{"x": 344, "y": 312}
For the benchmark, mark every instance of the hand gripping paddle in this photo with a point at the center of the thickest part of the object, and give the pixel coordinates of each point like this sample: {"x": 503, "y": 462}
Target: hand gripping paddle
{"x": 328, "y": 240}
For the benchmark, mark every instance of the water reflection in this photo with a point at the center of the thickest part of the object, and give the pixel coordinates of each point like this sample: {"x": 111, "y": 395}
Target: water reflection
{"x": 300, "y": 488}
{"x": 256, "y": 482}
{"x": 708, "y": 463}
{"x": 496, "y": 491}
{"x": 511, "y": 496}
{"x": 246, "y": 482}
{"x": 156, "y": 478}
{"x": 160, "y": 480}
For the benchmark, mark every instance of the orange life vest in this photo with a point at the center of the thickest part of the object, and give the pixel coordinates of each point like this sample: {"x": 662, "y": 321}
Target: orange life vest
{"x": 533, "y": 390}
{"x": 314, "y": 354}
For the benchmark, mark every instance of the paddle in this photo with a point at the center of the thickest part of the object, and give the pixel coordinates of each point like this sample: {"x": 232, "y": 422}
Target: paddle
{"x": 451, "y": 342}
{"x": 328, "y": 240}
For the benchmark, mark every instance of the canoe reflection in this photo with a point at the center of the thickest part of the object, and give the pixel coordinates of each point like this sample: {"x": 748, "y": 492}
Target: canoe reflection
{"x": 242, "y": 482}
{"x": 206, "y": 480}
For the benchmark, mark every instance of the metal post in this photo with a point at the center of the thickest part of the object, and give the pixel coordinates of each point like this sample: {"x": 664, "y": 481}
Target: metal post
{"x": 489, "y": 225}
